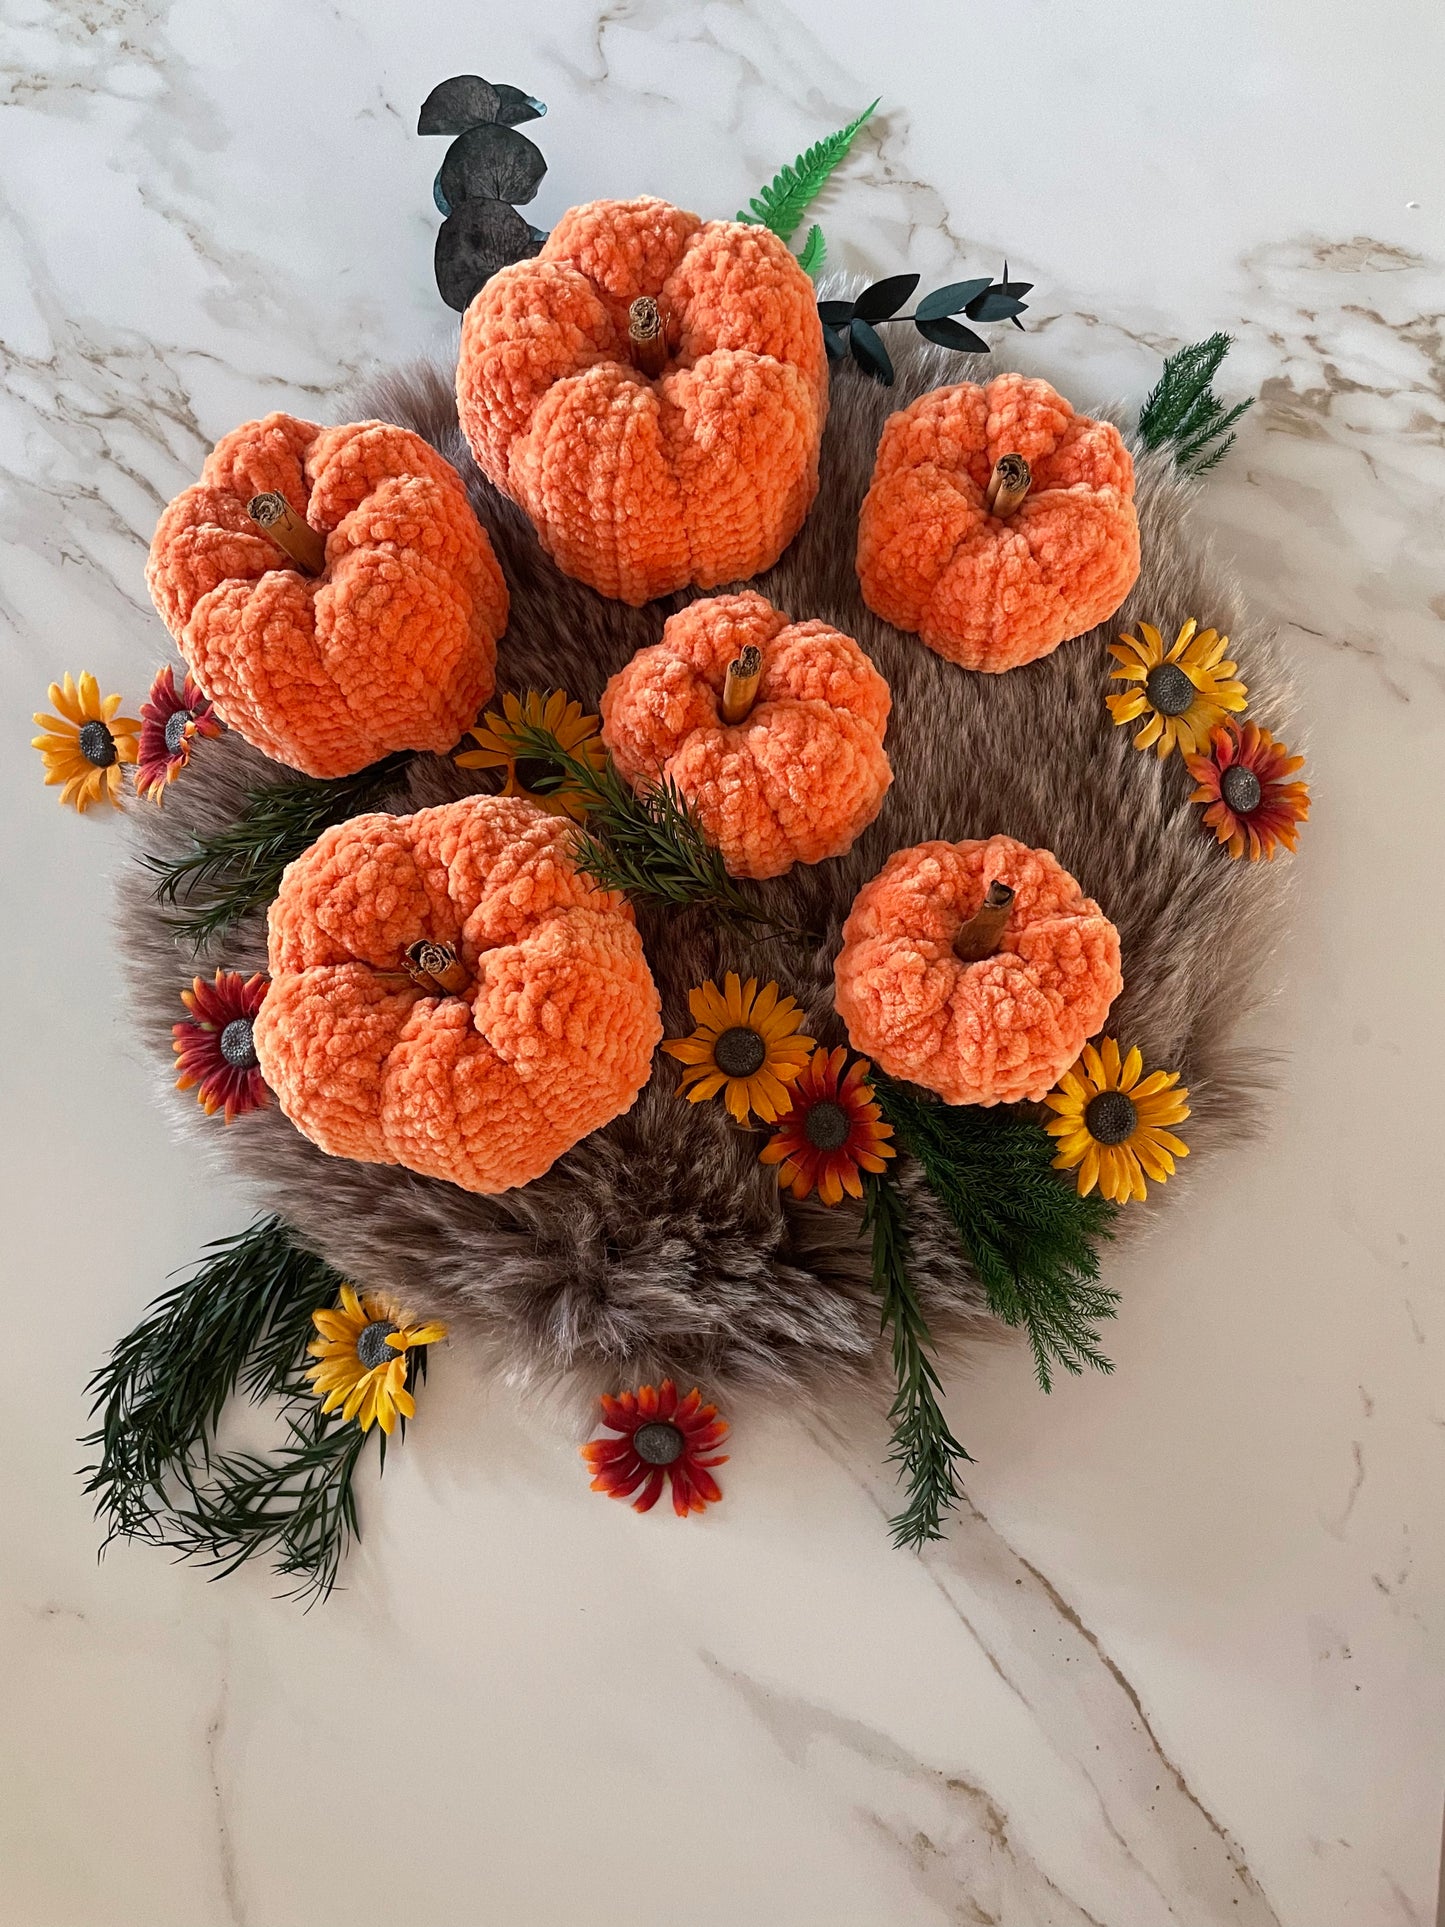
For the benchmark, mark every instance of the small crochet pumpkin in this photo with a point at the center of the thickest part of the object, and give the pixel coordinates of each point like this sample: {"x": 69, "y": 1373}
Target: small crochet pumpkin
{"x": 448, "y": 993}
{"x": 651, "y": 389}
{"x": 975, "y": 969}
{"x": 998, "y": 522}
{"x": 356, "y": 612}
{"x": 771, "y": 729}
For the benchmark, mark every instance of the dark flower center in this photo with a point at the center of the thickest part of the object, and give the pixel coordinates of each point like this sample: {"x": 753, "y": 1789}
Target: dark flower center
{"x": 371, "y": 1346}
{"x": 536, "y": 773}
{"x": 177, "y": 723}
{"x": 1168, "y": 688}
{"x": 238, "y": 1046}
{"x": 97, "y": 745}
{"x": 1110, "y": 1118}
{"x": 740, "y": 1051}
{"x": 1240, "y": 789}
{"x": 658, "y": 1443}
{"x": 826, "y": 1125}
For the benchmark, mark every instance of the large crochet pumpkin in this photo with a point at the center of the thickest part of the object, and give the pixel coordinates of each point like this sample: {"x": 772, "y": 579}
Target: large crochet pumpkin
{"x": 976, "y": 969}
{"x": 998, "y": 522}
{"x": 381, "y": 636}
{"x": 448, "y": 993}
{"x": 771, "y": 729}
{"x": 651, "y": 389}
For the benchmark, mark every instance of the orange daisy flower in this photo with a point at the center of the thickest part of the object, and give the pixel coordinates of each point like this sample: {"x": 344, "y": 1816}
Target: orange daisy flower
{"x": 169, "y": 719}
{"x": 215, "y": 1050}
{"x": 749, "y": 1044}
{"x": 833, "y": 1131}
{"x": 661, "y": 1435}
{"x": 1251, "y": 803}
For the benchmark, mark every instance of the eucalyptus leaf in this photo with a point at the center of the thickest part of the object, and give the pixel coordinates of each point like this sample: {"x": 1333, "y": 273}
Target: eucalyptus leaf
{"x": 835, "y": 340}
{"x": 456, "y": 105}
{"x": 515, "y": 106}
{"x": 869, "y": 352}
{"x": 442, "y": 205}
{"x": 951, "y": 334}
{"x": 474, "y": 241}
{"x": 885, "y": 298}
{"x": 494, "y": 164}
{"x": 950, "y": 300}
{"x": 995, "y": 305}
{"x": 835, "y": 314}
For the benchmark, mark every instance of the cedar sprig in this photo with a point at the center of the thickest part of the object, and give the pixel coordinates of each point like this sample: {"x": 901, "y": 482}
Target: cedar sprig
{"x": 647, "y": 844}
{"x": 924, "y": 1448}
{"x": 782, "y": 204}
{"x": 1183, "y": 409}
{"x": 851, "y": 327}
{"x": 1030, "y": 1237}
{"x": 223, "y": 877}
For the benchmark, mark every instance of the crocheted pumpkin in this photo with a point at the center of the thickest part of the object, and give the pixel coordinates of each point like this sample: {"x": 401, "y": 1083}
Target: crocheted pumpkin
{"x": 381, "y": 636}
{"x": 449, "y": 993}
{"x": 651, "y": 389}
{"x": 976, "y": 969}
{"x": 998, "y": 522}
{"x": 771, "y": 729}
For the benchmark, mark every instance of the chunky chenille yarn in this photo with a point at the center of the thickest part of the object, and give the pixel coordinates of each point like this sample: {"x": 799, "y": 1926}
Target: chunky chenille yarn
{"x": 801, "y": 775}
{"x": 991, "y": 1032}
{"x": 550, "y": 1037}
{"x": 392, "y": 646}
{"x": 639, "y": 485}
{"x": 994, "y": 591}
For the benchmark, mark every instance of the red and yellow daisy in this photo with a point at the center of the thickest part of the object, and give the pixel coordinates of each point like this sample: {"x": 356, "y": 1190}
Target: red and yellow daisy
{"x": 833, "y": 1131}
{"x": 169, "y": 719}
{"x": 215, "y": 1050}
{"x": 85, "y": 745}
{"x": 1244, "y": 781}
{"x": 661, "y": 1435}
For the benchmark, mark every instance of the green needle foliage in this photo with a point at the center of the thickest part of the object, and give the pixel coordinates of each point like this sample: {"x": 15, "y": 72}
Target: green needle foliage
{"x": 923, "y": 1447}
{"x": 240, "y": 1322}
{"x": 1183, "y": 409}
{"x": 649, "y": 846}
{"x": 1029, "y": 1237}
{"x": 782, "y": 204}
{"x": 223, "y": 877}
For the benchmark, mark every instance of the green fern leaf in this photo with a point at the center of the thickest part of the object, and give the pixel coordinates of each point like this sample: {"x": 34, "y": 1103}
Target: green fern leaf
{"x": 782, "y": 204}
{"x": 814, "y": 251}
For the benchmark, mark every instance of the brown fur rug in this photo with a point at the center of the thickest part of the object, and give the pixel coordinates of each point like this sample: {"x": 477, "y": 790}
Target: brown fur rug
{"x": 659, "y": 1243}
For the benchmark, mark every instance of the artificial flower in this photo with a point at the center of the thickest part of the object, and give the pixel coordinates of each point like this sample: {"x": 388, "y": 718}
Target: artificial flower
{"x": 660, "y": 1434}
{"x": 748, "y": 1044}
{"x": 1112, "y": 1123}
{"x": 1244, "y": 781}
{"x": 362, "y": 1354}
{"x": 832, "y": 1130}
{"x": 502, "y": 746}
{"x": 214, "y": 1046}
{"x": 86, "y": 744}
{"x": 169, "y": 719}
{"x": 1183, "y": 691}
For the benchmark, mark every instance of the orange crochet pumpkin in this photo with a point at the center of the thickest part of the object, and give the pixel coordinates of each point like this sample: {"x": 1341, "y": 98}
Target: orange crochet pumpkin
{"x": 651, "y": 389}
{"x": 382, "y": 636}
{"x": 998, "y": 522}
{"x": 449, "y": 993}
{"x": 975, "y": 969}
{"x": 771, "y": 729}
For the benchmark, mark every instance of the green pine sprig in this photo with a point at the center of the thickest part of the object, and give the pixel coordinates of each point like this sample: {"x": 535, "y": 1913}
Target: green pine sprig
{"x": 223, "y": 877}
{"x": 1183, "y": 409}
{"x": 782, "y": 204}
{"x": 923, "y": 1446}
{"x": 649, "y": 845}
{"x": 1030, "y": 1237}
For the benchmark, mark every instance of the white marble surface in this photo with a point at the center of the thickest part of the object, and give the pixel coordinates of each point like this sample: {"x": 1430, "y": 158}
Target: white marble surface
{"x": 1180, "y": 1660}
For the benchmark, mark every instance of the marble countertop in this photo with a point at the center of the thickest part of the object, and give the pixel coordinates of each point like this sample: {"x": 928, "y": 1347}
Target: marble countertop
{"x": 1179, "y": 1659}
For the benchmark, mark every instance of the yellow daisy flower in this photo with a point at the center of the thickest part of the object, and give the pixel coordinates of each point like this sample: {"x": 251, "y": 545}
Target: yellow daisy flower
{"x": 500, "y": 746}
{"x": 1184, "y": 691}
{"x": 362, "y": 1350}
{"x": 747, "y": 1044}
{"x": 1112, "y": 1120}
{"x": 86, "y": 745}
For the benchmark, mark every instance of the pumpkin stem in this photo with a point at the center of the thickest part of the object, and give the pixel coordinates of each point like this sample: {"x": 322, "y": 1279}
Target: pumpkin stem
{"x": 1010, "y": 482}
{"x": 434, "y": 967}
{"x": 740, "y": 691}
{"x": 978, "y": 938}
{"x": 646, "y": 336}
{"x": 289, "y": 531}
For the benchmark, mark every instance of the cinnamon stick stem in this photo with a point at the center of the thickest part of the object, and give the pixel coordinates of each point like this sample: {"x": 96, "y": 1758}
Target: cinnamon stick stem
{"x": 740, "y": 691}
{"x": 289, "y": 531}
{"x": 435, "y": 967}
{"x": 978, "y": 938}
{"x": 646, "y": 336}
{"x": 1010, "y": 482}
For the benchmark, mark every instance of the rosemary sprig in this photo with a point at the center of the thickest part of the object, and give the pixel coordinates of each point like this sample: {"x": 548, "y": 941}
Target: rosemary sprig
{"x": 923, "y": 1447}
{"x": 1182, "y": 407}
{"x": 223, "y": 877}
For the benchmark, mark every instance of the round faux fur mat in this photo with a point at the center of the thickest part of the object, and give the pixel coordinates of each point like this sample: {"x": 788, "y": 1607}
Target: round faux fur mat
{"x": 660, "y": 1243}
